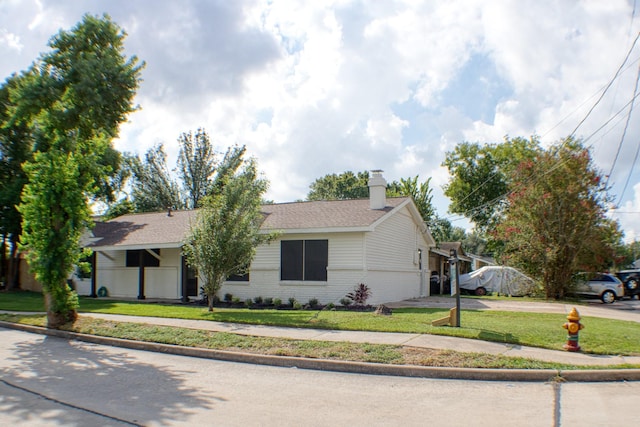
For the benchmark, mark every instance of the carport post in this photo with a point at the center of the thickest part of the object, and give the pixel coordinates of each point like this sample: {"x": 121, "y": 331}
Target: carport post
{"x": 453, "y": 270}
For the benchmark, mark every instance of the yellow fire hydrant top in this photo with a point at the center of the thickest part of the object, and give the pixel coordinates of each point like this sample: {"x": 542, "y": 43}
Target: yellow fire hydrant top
{"x": 573, "y": 316}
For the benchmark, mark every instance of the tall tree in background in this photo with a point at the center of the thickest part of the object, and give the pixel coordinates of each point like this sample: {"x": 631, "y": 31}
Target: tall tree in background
{"x": 422, "y": 195}
{"x": 443, "y": 231}
{"x": 153, "y": 188}
{"x": 480, "y": 178}
{"x": 223, "y": 240}
{"x": 16, "y": 147}
{"x": 197, "y": 163}
{"x": 555, "y": 223}
{"x": 73, "y": 101}
{"x": 628, "y": 254}
{"x": 346, "y": 185}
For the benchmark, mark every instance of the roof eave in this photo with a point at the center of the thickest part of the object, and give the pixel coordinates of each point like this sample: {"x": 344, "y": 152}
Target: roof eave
{"x": 166, "y": 245}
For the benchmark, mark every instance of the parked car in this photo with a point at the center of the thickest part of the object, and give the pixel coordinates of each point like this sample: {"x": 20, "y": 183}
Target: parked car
{"x": 605, "y": 286}
{"x": 502, "y": 280}
{"x": 631, "y": 280}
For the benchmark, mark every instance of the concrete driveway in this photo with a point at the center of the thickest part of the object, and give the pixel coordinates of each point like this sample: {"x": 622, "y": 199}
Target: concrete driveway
{"x": 619, "y": 310}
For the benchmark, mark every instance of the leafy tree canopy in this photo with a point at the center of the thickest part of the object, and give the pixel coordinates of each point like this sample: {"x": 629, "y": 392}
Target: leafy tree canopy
{"x": 154, "y": 187}
{"x": 555, "y": 223}
{"x": 227, "y": 230}
{"x": 346, "y": 185}
{"x": 197, "y": 162}
{"x": 480, "y": 177}
{"x": 16, "y": 148}
{"x": 72, "y": 101}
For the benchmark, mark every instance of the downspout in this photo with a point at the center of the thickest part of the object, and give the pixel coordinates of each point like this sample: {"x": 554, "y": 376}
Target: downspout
{"x": 94, "y": 274}
{"x": 185, "y": 296}
{"x": 141, "y": 275}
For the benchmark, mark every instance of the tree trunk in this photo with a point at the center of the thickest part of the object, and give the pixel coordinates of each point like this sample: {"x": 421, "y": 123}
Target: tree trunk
{"x": 13, "y": 276}
{"x": 3, "y": 262}
{"x": 57, "y": 319}
{"x": 210, "y": 301}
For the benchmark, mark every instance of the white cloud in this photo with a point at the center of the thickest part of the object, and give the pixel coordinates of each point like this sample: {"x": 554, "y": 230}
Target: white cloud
{"x": 10, "y": 40}
{"x": 628, "y": 215}
{"x": 322, "y": 87}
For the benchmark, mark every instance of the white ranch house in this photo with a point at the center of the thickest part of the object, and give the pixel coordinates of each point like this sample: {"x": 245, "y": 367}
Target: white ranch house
{"x": 324, "y": 250}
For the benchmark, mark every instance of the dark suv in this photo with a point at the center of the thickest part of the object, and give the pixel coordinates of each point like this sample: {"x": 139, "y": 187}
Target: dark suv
{"x": 631, "y": 280}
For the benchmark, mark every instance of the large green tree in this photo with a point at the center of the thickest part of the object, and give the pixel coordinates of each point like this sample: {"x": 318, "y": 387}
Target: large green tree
{"x": 347, "y": 185}
{"x": 16, "y": 145}
{"x": 480, "y": 178}
{"x": 224, "y": 237}
{"x": 153, "y": 187}
{"x": 421, "y": 192}
{"x": 197, "y": 162}
{"x": 443, "y": 231}
{"x": 73, "y": 99}
{"x": 555, "y": 223}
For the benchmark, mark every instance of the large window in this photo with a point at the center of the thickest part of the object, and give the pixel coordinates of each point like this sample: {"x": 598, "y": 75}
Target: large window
{"x": 133, "y": 258}
{"x": 304, "y": 260}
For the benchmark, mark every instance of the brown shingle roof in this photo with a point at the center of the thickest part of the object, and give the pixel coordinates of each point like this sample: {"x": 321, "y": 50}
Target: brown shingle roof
{"x": 154, "y": 228}
{"x": 325, "y": 214}
{"x": 160, "y": 230}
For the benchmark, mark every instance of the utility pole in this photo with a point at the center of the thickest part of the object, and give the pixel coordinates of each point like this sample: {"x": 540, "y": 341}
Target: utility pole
{"x": 454, "y": 272}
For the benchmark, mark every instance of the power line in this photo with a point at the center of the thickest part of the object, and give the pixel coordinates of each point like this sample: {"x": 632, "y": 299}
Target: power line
{"x": 626, "y": 126}
{"x": 604, "y": 91}
{"x": 615, "y": 76}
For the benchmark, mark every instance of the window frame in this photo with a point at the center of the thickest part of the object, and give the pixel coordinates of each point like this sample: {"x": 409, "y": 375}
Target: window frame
{"x": 304, "y": 260}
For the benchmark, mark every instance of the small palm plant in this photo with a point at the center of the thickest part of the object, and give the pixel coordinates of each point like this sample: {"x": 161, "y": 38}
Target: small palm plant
{"x": 360, "y": 294}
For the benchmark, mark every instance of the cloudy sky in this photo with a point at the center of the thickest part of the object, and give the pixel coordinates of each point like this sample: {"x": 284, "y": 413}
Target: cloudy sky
{"x": 322, "y": 87}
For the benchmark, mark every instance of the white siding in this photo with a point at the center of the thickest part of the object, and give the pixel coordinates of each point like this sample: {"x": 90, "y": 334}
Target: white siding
{"x": 345, "y": 269}
{"x": 393, "y": 272}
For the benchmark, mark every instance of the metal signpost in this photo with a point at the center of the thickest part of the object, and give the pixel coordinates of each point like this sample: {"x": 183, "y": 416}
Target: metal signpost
{"x": 453, "y": 271}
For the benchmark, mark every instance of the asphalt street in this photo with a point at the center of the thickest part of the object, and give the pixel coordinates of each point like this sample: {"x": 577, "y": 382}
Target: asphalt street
{"x": 49, "y": 381}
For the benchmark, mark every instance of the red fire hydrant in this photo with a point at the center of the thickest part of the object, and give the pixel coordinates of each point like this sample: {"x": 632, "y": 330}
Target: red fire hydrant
{"x": 573, "y": 327}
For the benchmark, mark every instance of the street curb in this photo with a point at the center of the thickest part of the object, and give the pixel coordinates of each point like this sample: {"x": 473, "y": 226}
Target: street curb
{"x": 480, "y": 374}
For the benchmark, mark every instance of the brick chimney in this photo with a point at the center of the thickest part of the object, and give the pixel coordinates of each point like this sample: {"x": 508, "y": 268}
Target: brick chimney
{"x": 377, "y": 190}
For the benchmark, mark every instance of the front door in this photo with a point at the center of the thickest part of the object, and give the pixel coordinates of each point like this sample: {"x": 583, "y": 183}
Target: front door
{"x": 192, "y": 282}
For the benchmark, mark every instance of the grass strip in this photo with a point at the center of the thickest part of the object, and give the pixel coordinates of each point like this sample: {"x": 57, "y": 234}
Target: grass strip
{"x": 543, "y": 330}
{"x": 345, "y": 351}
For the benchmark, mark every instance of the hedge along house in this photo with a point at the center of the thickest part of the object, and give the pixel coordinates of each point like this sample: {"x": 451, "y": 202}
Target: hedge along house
{"x": 324, "y": 250}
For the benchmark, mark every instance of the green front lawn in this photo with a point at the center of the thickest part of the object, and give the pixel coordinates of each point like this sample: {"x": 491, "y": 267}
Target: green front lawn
{"x": 600, "y": 336}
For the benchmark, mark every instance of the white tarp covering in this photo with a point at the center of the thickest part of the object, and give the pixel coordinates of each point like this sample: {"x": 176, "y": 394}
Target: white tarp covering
{"x": 502, "y": 280}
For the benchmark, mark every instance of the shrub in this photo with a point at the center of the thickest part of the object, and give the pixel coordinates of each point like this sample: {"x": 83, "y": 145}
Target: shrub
{"x": 277, "y": 302}
{"x": 331, "y": 306}
{"x": 248, "y": 302}
{"x": 228, "y": 298}
{"x": 235, "y": 300}
{"x": 268, "y": 301}
{"x": 313, "y": 302}
{"x": 360, "y": 294}
{"x": 346, "y": 302}
{"x": 292, "y": 301}
{"x": 296, "y": 305}
{"x": 258, "y": 300}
